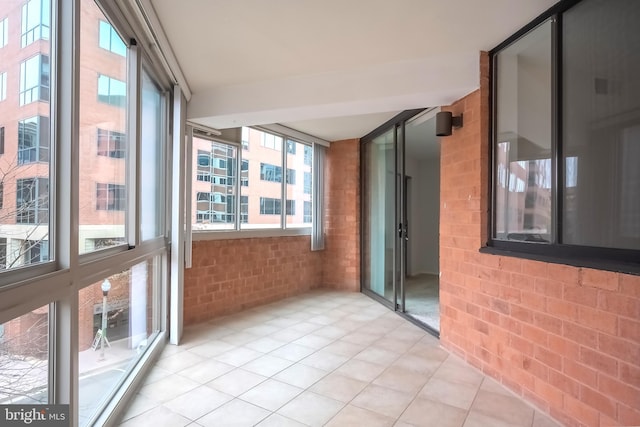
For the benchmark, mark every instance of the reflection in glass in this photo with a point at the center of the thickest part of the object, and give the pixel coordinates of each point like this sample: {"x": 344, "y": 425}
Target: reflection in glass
{"x": 299, "y": 180}
{"x": 523, "y": 127}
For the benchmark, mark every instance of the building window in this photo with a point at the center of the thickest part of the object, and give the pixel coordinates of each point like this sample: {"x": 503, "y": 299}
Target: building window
{"x": 32, "y": 201}
{"x": 270, "y": 206}
{"x": 3, "y": 86}
{"x": 1, "y": 195}
{"x": 271, "y": 141}
{"x": 111, "y": 144}
{"x": 33, "y": 140}
{"x": 36, "y": 18}
{"x": 110, "y": 197}
{"x": 112, "y": 91}
{"x": 245, "y": 138}
{"x": 4, "y": 32}
{"x": 244, "y": 209}
{"x": 2, "y": 140}
{"x": 565, "y": 180}
{"x": 110, "y": 40}
{"x": 291, "y": 176}
{"x": 308, "y": 215}
{"x": 307, "y": 183}
{"x": 291, "y": 147}
{"x": 273, "y": 173}
{"x": 244, "y": 173}
{"x": 291, "y": 207}
{"x": 34, "y": 79}
{"x": 308, "y": 155}
{"x": 36, "y": 251}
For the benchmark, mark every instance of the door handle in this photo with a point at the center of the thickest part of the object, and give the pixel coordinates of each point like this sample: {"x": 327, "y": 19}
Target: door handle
{"x": 406, "y": 232}
{"x": 400, "y": 230}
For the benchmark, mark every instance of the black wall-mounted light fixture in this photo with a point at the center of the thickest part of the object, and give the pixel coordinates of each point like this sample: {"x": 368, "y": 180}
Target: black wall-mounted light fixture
{"x": 445, "y": 122}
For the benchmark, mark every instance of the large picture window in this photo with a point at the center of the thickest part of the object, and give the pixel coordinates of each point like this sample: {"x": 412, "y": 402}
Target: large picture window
{"x": 566, "y": 135}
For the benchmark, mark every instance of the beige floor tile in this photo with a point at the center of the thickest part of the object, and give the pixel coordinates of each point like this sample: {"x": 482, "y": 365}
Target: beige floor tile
{"x": 236, "y": 413}
{"x": 313, "y": 341}
{"x": 338, "y": 387}
{"x": 360, "y": 370}
{"x": 239, "y": 338}
{"x": 460, "y": 395}
{"x": 300, "y": 375}
{"x": 288, "y": 335}
{"x": 322, "y": 319}
{"x": 542, "y": 420}
{"x": 292, "y": 352}
{"x": 394, "y": 344}
{"x": 401, "y": 379}
{"x": 265, "y": 344}
{"x": 262, "y": 330}
{"x": 358, "y": 337}
{"x": 157, "y": 417}
{"x": 236, "y": 382}
{"x": 179, "y": 361}
{"x": 377, "y": 355}
{"x": 197, "y": 402}
{"x": 353, "y": 416}
{"x": 139, "y": 404}
{"x": 311, "y": 409}
{"x": 306, "y": 327}
{"x": 344, "y": 348}
{"x": 324, "y": 360}
{"x": 157, "y": 373}
{"x": 331, "y": 331}
{"x": 507, "y": 408}
{"x": 238, "y": 356}
{"x": 417, "y": 364}
{"x": 206, "y": 371}
{"x": 271, "y": 394}
{"x": 267, "y": 365}
{"x": 383, "y": 400}
{"x": 454, "y": 370}
{"x": 427, "y": 413}
{"x": 211, "y": 348}
{"x": 168, "y": 388}
{"x": 477, "y": 419}
{"x": 277, "y": 420}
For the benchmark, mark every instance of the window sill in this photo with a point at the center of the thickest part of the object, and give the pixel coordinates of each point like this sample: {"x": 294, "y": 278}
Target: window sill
{"x": 562, "y": 257}
{"x": 248, "y": 234}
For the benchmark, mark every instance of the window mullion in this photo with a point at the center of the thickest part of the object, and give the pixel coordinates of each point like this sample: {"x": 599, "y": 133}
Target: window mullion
{"x": 283, "y": 196}
{"x": 557, "y": 160}
{"x": 134, "y": 69}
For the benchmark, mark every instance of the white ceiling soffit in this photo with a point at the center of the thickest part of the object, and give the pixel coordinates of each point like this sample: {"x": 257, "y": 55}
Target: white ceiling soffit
{"x": 257, "y": 62}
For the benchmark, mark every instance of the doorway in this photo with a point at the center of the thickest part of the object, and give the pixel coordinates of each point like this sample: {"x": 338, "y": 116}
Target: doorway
{"x": 401, "y": 216}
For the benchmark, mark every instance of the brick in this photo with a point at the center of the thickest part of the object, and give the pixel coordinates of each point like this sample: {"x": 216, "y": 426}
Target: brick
{"x": 580, "y": 334}
{"x": 596, "y": 319}
{"x": 549, "y": 393}
{"x": 581, "y": 411}
{"x": 630, "y": 285}
{"x": 618, "y": 390}
{"x": 599, "y": 279}
{"x": 536, "y": 368}
{"x": 548, "y": 323}
{"x": 563, "y": 382}
{"x": 580, "y": 295}
{"x": 621, "y": 305}
{"x": 599, "y": 361}
{"x": 549, "y": 358}
{"x": 620, "y": 348}
{"x": 630, "y": 374}
{"x": 599, "y": 401}
{"x": 628, "y": 416}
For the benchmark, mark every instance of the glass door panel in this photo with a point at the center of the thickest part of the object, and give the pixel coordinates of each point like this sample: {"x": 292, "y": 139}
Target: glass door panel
{"x": 379, "y": 215}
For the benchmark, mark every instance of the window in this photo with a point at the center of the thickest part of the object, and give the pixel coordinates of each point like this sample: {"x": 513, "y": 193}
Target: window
{"x": 298, "y": 192}
{"x": 244, "y": 209}
{"x": 110, "y": 40}
{"x": 32, "y": 201}
{"x": 36, "y": 18}
{"x": 112, "y": 91}
{"x": 245, "y": 138}
{"x": 215, "y": 189}
{"x": 308, "y": 155}
{"x": 307, "y": 183}
{"x": 4, "y": 32}
{"x": 2, "y": 140}
{"x": 271, "y": 141}
{"x": 33, "y": 140}
{"x": 269, "y": 206}
{"x": 110, "y": 197}
{"x": 3, "y": 86}
{"x": 111, "y": 144}
{"x": 291, "y": 147}
{"x": 270, "y": 173}
{"x": 1, "y": 195}
{"x": 34, "y": 79}
{"x": 307, "y": 212}
{"x": 291, "y": 207}
{"x": 565, "y": 180}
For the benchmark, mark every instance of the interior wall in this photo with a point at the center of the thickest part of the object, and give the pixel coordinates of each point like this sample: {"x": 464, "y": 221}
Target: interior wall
{"x": 565, "y": 338}
{"x": 424, "y": 215}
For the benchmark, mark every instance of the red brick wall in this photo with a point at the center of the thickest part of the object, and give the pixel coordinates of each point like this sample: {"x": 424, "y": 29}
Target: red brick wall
{"x": 342, "y": 220}
{"x": 231, "y": 275}
{"x": 566, "y": 338}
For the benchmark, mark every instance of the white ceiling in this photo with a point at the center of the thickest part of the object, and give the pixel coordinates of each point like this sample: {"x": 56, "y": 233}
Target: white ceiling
{"x": 333, "y": 68}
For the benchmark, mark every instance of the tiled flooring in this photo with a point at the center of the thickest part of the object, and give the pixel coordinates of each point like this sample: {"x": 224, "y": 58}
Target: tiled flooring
{"x": 323, "y": 358}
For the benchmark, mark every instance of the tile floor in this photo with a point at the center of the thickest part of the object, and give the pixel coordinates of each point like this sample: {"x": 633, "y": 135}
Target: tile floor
{"x": 322, "y": 358}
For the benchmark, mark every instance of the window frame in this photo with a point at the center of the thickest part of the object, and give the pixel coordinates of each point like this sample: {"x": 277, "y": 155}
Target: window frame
{"x": 602, "y": 258}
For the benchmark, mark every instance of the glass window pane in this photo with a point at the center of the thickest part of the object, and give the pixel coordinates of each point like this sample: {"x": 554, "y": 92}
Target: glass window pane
{"x": 25, "y": 137}
{"x": 151, "y": 167}
{"x": 298, "y": 191}
{"x": 523, "y": 130}
{"x": 118, "y": 318}
{"x": 214, "y": 187}
{"x": 103, "y": 139}
{"x": 24, "y": 358}
{"x": 601, "y": 124}
{"x": 263, "y": 191}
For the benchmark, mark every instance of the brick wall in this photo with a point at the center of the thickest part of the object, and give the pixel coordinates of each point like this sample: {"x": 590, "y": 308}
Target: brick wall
{"x": 565, "y": 338}
{"x": 231, "y": 275}
{"x": 342, "y": 220}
